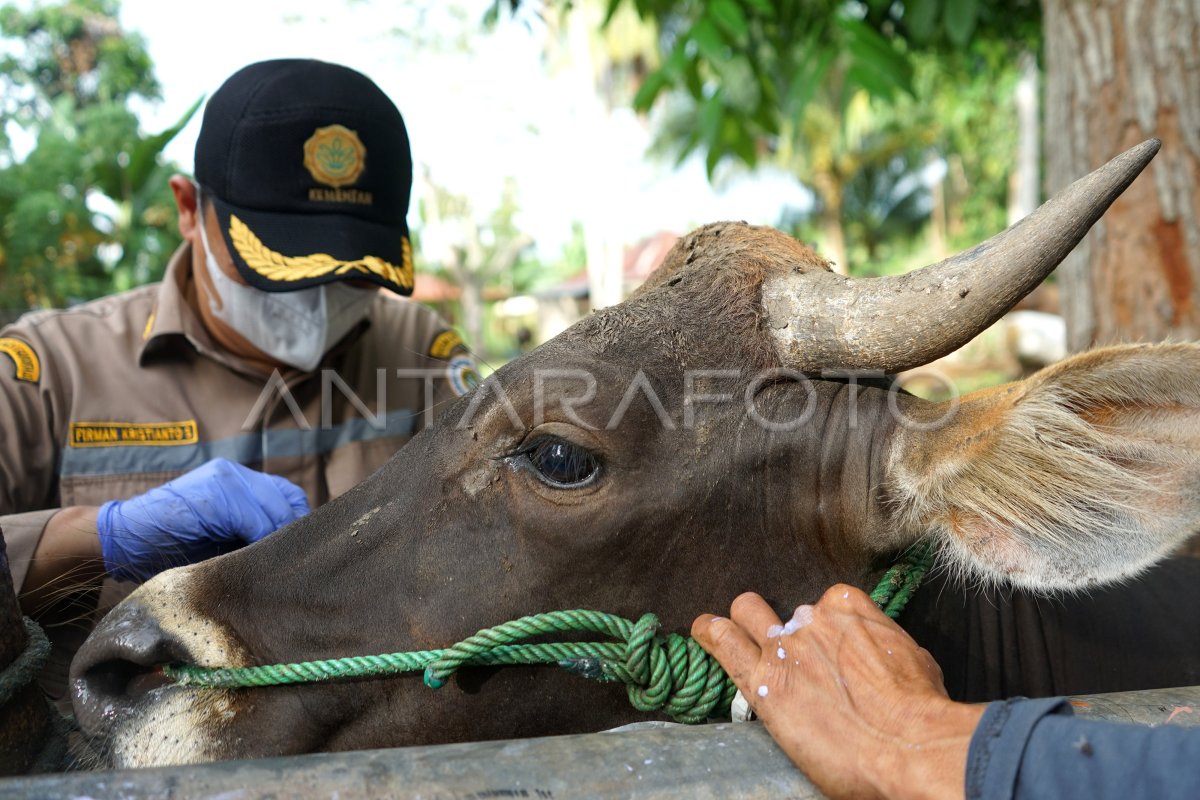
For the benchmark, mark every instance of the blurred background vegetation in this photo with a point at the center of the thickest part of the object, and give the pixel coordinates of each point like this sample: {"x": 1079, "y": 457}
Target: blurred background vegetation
{"x": 86, "y": 209}
{"x": 913, "y": 124}
{"x": 865, "y": 103}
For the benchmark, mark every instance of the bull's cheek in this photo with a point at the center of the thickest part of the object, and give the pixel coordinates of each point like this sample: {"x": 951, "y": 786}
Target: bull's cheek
{"x": 178, "y": 727}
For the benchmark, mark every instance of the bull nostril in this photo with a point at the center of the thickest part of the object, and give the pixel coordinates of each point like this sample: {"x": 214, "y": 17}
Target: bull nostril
{"x": 124, "y": 680}
{"x": 119, "y": 664}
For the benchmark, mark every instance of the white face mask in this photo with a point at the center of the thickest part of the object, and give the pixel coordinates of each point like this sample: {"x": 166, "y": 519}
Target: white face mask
{"x": 295, "y": 328}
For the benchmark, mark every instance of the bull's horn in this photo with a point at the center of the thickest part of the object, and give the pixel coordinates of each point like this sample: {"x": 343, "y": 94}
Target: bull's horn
{"x": 822, "y": 320}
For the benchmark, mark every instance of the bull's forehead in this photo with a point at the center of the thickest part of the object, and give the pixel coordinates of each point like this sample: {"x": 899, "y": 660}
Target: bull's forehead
{"x": 697, "y": 325}
{"x": 702, "y": 308}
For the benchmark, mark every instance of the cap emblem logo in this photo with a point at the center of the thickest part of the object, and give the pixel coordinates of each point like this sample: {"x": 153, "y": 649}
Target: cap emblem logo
{"x": 334, "y": 156}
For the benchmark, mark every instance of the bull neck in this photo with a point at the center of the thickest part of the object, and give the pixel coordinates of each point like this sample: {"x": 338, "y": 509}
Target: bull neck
{"x": 851, "y": 456}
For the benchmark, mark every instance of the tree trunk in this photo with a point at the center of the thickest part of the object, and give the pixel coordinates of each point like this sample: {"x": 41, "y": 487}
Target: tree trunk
{"x": 1119, "y": 72}
{"x": 1024, "y": 186}
{"x": 834, "y": 238}
{"x": 472, "y": 315}
{"x": 828, "y": 186}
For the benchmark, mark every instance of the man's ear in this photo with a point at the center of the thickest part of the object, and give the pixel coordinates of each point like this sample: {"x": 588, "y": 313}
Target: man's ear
{"x": 185, "y": 204}
{"x": 1087, "y": 472}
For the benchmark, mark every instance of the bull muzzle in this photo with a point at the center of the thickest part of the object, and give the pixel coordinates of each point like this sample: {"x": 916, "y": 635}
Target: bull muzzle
{"x": 120, "y": 664}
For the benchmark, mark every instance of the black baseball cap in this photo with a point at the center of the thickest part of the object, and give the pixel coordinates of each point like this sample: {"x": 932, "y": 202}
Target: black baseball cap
{"x": 309, "y": 169}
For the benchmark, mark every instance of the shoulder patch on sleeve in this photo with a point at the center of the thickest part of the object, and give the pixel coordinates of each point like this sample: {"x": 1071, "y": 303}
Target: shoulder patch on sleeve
{"x": 461, "y": 374}
{"x": 26, "y": 365}
{"x": 446, "y": 343}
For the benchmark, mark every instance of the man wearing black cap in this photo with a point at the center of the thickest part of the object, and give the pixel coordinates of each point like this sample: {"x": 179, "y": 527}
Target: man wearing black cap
{"x": 278, "y": 340}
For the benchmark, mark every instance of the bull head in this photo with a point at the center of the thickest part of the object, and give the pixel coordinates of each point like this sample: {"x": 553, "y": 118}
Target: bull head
{"x": 709, "y": 435}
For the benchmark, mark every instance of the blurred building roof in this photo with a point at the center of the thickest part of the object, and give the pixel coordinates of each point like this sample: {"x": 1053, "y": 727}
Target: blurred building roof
{"x": 640, "y": 260}
{"x": 429, "y": 288}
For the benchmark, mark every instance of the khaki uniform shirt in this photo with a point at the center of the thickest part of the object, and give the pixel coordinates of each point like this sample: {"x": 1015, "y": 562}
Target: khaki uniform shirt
{"x": 111, "y": 398}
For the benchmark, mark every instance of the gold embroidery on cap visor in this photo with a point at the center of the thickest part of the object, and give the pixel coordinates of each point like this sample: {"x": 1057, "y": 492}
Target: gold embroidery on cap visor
{"x": 334, "y": 156}
{"x": 277, "y": 267}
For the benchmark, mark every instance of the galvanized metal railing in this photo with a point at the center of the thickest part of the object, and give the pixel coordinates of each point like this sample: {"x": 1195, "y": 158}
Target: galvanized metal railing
{"x": 648, "y": 760}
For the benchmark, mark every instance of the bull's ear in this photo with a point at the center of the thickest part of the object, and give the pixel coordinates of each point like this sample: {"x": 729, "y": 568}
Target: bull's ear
{"x": 1087, "y": 472}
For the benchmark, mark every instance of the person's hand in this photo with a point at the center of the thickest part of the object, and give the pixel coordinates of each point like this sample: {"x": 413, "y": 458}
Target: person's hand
{"x": 215, "y": 508}
{"x": 847, "y": 694}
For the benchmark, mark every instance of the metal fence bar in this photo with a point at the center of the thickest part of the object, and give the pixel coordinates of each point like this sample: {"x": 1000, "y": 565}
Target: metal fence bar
{"x": 711, "y": 762}
{"x": 704, "y": 762}
{"x": 1180, "y": 706}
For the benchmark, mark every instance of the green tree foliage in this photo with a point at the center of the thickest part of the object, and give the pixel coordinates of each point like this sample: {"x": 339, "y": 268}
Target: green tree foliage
{"x": 750, "y": 66}
{"x": 840, "y": 93}
{"x": 84, "y": 204}
{"x": 964, "y": 100}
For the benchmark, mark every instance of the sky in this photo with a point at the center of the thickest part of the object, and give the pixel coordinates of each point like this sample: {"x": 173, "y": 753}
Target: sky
{"x": 475, "y": 116}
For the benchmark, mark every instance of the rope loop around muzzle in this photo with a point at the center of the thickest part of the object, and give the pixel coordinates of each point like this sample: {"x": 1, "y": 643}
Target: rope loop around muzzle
{"x": 671, "y": 673}
{"x": 662, "y": 672}
{"x": 674, "y": 674}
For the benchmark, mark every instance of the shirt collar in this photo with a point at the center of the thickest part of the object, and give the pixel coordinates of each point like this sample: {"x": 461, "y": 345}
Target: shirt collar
{"x": 172, "y": 324}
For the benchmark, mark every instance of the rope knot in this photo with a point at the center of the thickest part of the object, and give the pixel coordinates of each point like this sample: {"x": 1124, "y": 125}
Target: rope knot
{"x": 673, "y": 674}
{"x": 644, "y": 651}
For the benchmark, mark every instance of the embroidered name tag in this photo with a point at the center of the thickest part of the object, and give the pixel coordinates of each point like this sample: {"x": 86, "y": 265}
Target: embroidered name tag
{"x": 25, "y": 361}
{"x": 115, "y": 434}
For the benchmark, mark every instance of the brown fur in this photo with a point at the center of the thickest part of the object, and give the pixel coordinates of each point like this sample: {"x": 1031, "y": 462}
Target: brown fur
{"x": 1087, "y": 472}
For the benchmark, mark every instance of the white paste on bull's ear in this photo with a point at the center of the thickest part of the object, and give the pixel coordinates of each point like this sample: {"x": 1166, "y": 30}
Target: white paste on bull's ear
{"x": 1086, "y": 473}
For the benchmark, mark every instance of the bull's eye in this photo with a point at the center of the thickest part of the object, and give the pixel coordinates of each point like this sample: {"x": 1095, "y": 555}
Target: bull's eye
{"x": 562, "y": 464}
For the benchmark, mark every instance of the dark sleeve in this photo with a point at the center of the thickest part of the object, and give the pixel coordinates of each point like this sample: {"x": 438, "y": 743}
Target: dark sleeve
{"x": 1033, "y": 749}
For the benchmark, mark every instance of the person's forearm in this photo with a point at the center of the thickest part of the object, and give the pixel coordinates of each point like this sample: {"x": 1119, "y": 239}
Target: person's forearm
{"x": 67, "y": 560}
{"x": 1033, "y": 749}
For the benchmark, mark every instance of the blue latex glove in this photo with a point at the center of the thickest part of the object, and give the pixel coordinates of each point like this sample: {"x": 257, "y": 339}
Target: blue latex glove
{"x": 215, "y": 508}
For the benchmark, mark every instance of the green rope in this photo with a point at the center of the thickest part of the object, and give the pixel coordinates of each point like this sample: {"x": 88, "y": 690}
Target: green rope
{"x": 900, "y": 582}
{"x": 669, "y": 673}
